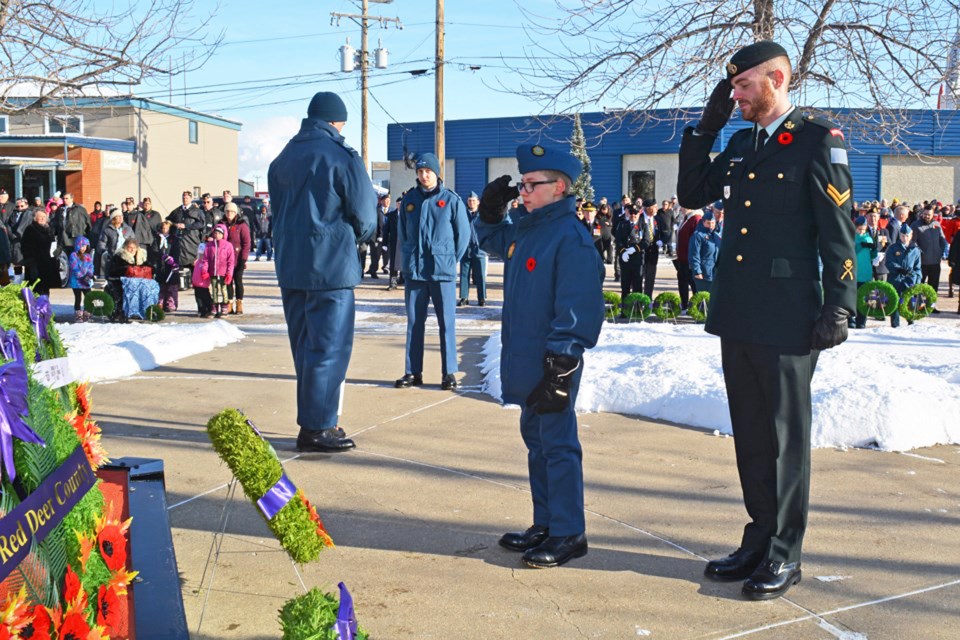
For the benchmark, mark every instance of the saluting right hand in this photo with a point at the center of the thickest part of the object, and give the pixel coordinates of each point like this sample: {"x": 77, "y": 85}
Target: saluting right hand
{"x": 495, "y": 198}
{"x": 718, "y": 110}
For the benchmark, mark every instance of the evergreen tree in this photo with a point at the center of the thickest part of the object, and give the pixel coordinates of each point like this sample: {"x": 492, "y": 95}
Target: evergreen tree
{"x": 582, "y": 187}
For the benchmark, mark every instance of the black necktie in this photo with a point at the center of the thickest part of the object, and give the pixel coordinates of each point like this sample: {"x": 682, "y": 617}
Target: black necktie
{"x": 761, "y": 138}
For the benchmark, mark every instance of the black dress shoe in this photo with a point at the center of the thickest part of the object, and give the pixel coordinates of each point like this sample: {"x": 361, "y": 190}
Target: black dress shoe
{"x": 771, "y": 580}
{"x": 449, "y": 382}
{"x": 481, "y": 302}
{"x": 555, "y": 551}
{"x": 461, "y": 302}
{"x": 738, "y": 565}
{"x": 409, "y": 380}
{"x": 326, "y": 440}
{"x": 529, "y": 539}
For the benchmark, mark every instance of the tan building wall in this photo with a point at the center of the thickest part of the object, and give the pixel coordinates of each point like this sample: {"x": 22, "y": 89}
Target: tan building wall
{"x": 915, "y": 180}
{"x": 497, "y": 167}
{"x": 401, "y": 178}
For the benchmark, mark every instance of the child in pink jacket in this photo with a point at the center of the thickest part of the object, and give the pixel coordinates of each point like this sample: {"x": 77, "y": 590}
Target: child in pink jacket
{"x": 220, "y": 259}
{"x": 201, "y": 284}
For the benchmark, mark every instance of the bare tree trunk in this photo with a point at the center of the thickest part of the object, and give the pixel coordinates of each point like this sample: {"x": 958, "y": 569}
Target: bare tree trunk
{"x": 763, "y": 22}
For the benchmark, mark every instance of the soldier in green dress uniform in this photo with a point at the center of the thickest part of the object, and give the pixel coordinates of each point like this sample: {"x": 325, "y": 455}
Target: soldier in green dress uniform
{"x": 786, "y": 188}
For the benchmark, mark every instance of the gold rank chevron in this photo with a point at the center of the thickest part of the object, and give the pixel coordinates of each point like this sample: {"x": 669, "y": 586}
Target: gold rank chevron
{"x": 836, "y": 196}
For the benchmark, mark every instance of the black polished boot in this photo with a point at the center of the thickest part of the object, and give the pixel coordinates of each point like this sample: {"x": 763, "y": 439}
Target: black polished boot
{"x": 409, "y": 380}
{"x": 736, "y": 566}
{"x": 449, "y": 382}
{"x": 555, "y": 551}
{"x": 529, "y": 539}
{"x": 326, "y": 440}
{"x": 481, "y": 302}
{"x": 771, "y": 580}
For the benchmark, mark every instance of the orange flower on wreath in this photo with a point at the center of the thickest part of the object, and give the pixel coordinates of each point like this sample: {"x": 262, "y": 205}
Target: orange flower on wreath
{"x": 83, "y": 399}
{"x": 15, "y": 614}
{"x": 321, "y": 530}
{"x": 89, "y": 434}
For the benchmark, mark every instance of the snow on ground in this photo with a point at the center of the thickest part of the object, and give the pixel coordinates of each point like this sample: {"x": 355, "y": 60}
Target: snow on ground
{"x": 100, "y": 351}
{"x": 894, "y": 389}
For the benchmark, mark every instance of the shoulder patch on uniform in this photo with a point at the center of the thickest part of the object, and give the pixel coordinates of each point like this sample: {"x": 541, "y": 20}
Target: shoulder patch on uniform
{"x": 510, "y": 249}
{"x": 838, "y": 155}
{"x": 823, "y": 122}
{"x": 847, "y": 270}
{"x": 410, "y": 207}
{"x": 837, "y": 196}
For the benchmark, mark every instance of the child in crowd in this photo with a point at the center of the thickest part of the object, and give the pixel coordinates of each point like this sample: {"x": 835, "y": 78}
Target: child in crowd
{"x": 220, "y": 262}
{"x": 201, "y": 283}
{"x": 81, "y": 276}
{"x": 168, "y": 271}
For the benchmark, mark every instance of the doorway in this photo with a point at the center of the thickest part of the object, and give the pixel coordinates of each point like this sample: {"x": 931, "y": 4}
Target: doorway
{"x": 642, "y": 184}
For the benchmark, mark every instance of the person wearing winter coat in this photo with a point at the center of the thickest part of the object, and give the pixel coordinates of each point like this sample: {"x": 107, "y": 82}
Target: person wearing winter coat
{"x": 188, "y": 228}
{"x": 928, "y": 237}
{"x": 6, "y": 256}
{"x": 702, "y": 254}
{"x": 474, "y": 262}
{"x": 130, "y": 254}
{"x": 165, "y": 267}
{"x": 70, "y": 221}
{"x": 953, "y": 259}
{"x": 866, "y": 255}
{"x": 391, "y": 241}
{"x": 41, "y": 255}
{"x": 200, "y": 278}
{"x": 221, "y": 261}
{"x": 903, "y": 261}
{"x": 81, "y": 276}
{"x": 238, "y": 234}
{"x": 264, "y": 232}
{"x": 112, "y": 237}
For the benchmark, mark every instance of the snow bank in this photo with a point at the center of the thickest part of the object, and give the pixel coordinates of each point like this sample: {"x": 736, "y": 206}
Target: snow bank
{"x": 896, "y": 389}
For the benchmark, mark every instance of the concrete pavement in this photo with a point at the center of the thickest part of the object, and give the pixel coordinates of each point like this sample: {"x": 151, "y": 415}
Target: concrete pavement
{"x": 437, "y": 477}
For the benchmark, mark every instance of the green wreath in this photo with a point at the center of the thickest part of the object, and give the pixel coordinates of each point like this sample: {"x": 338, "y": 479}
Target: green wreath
{"x": 877, "y": 299}
{"x": 611, "y": 301}
{"x": 636, "y": 306}
{"x": 666, "y": 306}
{"x": 99, "y": 304}
{"x": 917, "y": 302}
{"x": 312, "y": 616}
{"x": 154, "y": 313}
{"x": 699, "y": 306}
{"x": 256, "y": 465}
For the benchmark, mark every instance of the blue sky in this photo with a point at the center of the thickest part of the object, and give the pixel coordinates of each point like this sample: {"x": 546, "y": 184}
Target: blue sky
{"x": 294, "y": 44}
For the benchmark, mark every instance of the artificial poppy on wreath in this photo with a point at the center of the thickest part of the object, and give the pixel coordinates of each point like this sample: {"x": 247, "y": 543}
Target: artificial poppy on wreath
{"x": 785, "y": 138}
{"x": 441, "y": 203}
{"x": 531, "y": 264}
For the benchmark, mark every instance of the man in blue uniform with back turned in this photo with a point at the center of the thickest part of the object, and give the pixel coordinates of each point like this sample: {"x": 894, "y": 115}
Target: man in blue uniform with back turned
{"x": 323, "y": 206}
{"x": 434, "y": 233}
{"x": 786, "y": 188}
{"x": 552, "y": 311}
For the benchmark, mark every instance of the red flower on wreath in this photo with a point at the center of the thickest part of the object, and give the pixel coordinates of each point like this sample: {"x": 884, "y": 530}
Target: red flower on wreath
{"x": 531, "y": 264}
{"x": 441, "y": 203}
{"x": 108, "y": 608}
{"x": 785, "y": 138}
{"x": 4, "y": 633}
{"x": 71, "y": 585}
{"x": 74, "y": 628}
{"x": 113, "y": 547}
{"x": 39, "y": 626}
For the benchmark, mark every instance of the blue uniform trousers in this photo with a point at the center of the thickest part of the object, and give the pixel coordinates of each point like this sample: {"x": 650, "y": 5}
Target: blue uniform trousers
{"x": 476, "y": 267}
{"x": 320, "y": 326}
{"x": 416, "y": 295}
{"x": 554, "y": 461}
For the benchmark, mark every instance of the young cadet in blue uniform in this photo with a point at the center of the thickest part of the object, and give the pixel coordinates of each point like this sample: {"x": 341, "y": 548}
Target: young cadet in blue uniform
{"x": 323, "y": 205}
{"x": 434, "y": 232}
{"x": 903, "y": 261}
{"x": 769, "y": 304}
{"x": 552, "y": 311}
{"x": 474, "y": 262}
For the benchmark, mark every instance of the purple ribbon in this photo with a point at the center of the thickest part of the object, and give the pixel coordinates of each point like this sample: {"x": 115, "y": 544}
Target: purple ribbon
{"x": 346, "y": 624}
{"x": 277, "y": 497}
{"x": 13, "y": 401}
{"x": 40, "y": 313}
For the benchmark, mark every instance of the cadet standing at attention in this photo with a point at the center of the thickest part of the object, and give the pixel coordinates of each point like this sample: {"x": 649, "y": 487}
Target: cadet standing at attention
{"x": 552, "y": 311}
{"x": 323, "y": 205}
{"x": 771, "y": 307}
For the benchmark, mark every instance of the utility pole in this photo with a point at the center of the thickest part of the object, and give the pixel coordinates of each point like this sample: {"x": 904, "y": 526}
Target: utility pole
{"x": 439, "y": 133}
{"x": 364, "y": 62}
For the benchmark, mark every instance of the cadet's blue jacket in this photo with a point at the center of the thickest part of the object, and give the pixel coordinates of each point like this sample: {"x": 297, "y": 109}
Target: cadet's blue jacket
{"x": 704, "y": 249}
{"x": 434, "y": 233}
{"x": 323, "y": 205}
{"x": 473, "y": 247}
{"x": 904, "y": 265}
{"x": 553, "y": 299}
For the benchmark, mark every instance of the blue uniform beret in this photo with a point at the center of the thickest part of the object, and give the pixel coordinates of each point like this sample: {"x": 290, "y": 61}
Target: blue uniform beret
{"x": 539, "y": 158}
{"x": 905, "y": 230}
{"x": 752, "y": 55}
{"x": 327, "y": 106}
{"x": 707, "y": 215}
{"x": 429, "y": 161}
{"x": 718, "y": 205}
{"x": 860, "y": 221}
{"x": 473, "y": 194}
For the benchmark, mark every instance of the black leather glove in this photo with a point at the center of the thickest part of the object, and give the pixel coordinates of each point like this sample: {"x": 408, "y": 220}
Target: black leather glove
{"x": 552, "y": 394}
{"x": 866, "y": 245}
{"x": 495, "y": 198}
{"x": 830, "y": 329}
{"x": 718, "y": 110}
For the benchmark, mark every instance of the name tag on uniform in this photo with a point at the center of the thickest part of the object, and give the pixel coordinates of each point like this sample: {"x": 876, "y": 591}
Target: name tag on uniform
{"x": 736, "y": 159}
{"x": 726, "y": 191}
{"x": 838, "y": 156}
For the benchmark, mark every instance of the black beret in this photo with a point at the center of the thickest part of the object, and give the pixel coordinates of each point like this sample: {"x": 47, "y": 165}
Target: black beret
{"x": 650, "y": 202}
{"x": 752, "y": 55}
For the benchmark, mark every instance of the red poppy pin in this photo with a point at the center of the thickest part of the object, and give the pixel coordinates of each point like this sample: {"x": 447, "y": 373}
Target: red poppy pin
{"x": 531, "y": 264}
{"x": 441, "y": 203}
{"x": 785, "y": 138}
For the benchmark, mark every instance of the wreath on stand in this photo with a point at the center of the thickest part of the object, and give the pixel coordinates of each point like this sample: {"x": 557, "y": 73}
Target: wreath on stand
{"x": 611, "y": 302}
{"x": 917, "y": 302}
{"x": 154, "y": 313}
{"x": 636, "y": 306}
{"x": 667, "y": 306}
{"x": 99, "y": 304}
{"x": 699, "y": 306}
{"x": 877, "y": 299}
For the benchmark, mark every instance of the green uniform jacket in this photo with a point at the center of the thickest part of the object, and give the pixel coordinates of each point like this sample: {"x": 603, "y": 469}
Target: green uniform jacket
{"x": 784, "y": 205}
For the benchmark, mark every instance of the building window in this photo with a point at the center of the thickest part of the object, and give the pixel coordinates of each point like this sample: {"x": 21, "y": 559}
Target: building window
{"x": 4, "y": 125}
{"x": 196, "y": 192}
{"x": 61, "y": 125}
{"x": 194, "y": 131}
{"x": 642, "y": 184}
